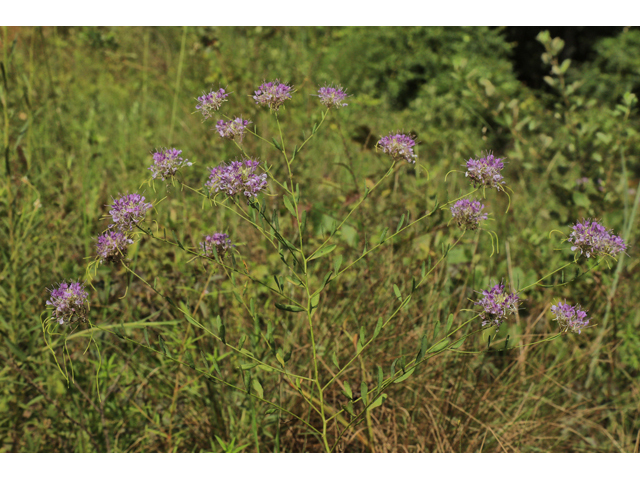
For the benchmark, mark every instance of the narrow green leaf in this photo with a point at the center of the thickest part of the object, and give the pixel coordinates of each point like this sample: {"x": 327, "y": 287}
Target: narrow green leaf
{"x": 441, "y": 345}
{"x": 162, "y": 347}
{"x": 347, "y": 390}
{"x": 376, "y": 332}
{"x": 248, "y": 366}
{"x": 405, "y": 376}
{"x": 449, "y": 323}
{"x": 290, "y": 207}
{"x": 397, "y": 292}
{"x": 458, "y": 344}
{"x": 276, "y": 144}
{"x": 289, "y": 308}
{"x": 378, "y": 401}
{"x": 337, "y": 262}
{"x": 383, "y": 235}
{"x": 265, "y": 368}
{"x": 364, "y": 391}
{"x": 323, "y": 251}
{"x": 280, "y": 359}
{"x": 257, "y": 388}
{"x": 349, "y": 408}
{"x": 400, "y": 223}
{"x": 380, "y": 377}
{"x": 423, "y": 348}
{"x": 334, "y": 359}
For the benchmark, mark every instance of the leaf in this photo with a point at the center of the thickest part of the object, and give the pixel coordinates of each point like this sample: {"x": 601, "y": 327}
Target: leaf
{"x": 347, "y": 390}
{"x": 287, "y": 203}
{"x": 162, "y": 347}
{"x": 423, "y": 348}
{"x": 364, "y": 391}
{"x": 289, "y": 308}
{"x": 323, "y": 251}
{"x": 383, "y": 235}
{"x": 378, "y": 401}
{"x": 265, "y": 368}
{"x": 376, "y": 332}
{"x": 458, "y": 344}
{"x": 334, "y": 359}
{"x": 405, "y": 376}
{"x": 441, "y": 345}
{"x": 449, "y": 323}
{"x": 276, "y": 144}
{"x": 255, "y": 384}
{"x": 280, "y": 359}
{"x": 400, "y": 223}
{"x": 337, "y": 262}
{"x": 380, "y": 377}
{"x": 397, "y": 292}
{"x": 315, "y": 300}
{"x": 349, "y": 408}
{"x": 248, "y": 366}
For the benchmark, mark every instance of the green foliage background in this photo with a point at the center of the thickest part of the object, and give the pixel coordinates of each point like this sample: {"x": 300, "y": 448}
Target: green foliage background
{"x": 82, "y": 109}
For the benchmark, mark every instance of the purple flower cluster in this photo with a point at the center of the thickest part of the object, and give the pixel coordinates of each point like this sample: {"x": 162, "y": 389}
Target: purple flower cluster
{"x": 497, "y": 305}
{"x": 112, "y": 246}
{"x": 166, "y": 163}
{"x": 127, "y": 211}
{"x": 237, "y": 177}
{"x": 232, "y": 129}
{"x": 486, "y": 171}
{"x": 69, "y": 302}
{"x": 211, "y": 102}
{"x": 468, "y": 213}
{"x": 332, "y": 96}
{"x": 593, "y": 240}
{"x": 218, "y": 242}
{"x": 398, "y": 146}
{"x": 570, "y": 318}
{"x": 273, "y": 94}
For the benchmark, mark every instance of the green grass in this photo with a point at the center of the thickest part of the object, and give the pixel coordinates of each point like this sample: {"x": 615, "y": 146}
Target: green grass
{"x": 83, "y": 108}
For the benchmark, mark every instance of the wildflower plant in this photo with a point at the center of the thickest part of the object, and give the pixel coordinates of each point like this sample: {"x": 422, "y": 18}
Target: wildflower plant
{"x": 297, "y": 290}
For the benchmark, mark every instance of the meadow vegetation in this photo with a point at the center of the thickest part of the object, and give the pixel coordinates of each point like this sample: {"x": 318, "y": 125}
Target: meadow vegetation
{"x": 83, "y": 111}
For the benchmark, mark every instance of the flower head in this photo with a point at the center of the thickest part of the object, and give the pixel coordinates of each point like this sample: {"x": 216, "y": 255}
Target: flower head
{"x": 112, "y": 246}
{"x": 166, "y": 163}
{"x": 591, "y": 239}
{"x": 127, "y": 211}
{"x": 237, "y": 177}
{"x": 69, "y": 302}
{"x": 218, "y": 242}
{"x": 399, "y": 146}
{"x": 332, "y": 96}
{"x": 570, "y": 318}
{"x": 273, "y": 94}
{"x": 468, "y": 214}
{"x": 485, "y": 171}
{"x": 232, "y": 129}
{"x": 497, "y": 305}
{"x": 211, "y": 102}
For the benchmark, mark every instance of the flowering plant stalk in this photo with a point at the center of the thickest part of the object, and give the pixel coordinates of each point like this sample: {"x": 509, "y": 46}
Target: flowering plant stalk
{"x": 240, "y": 186}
